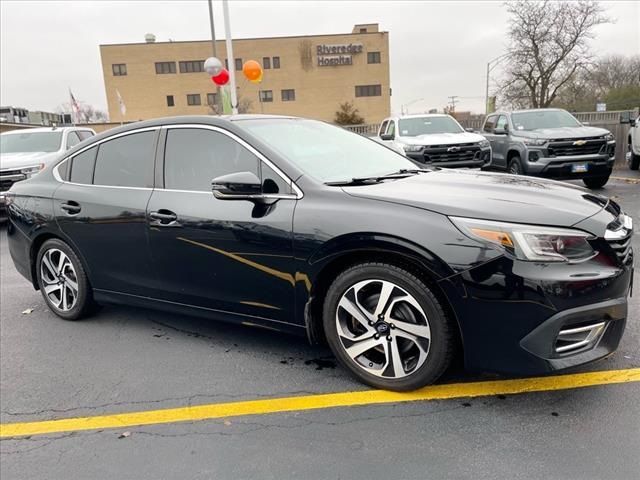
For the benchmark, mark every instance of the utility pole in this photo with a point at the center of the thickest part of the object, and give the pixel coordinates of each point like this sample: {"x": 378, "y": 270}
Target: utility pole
{"x": 218, "y": 99}
{"x": 230, "y": 57}
{"x": 490, "y": 67}
{"x": 452, "y": 101}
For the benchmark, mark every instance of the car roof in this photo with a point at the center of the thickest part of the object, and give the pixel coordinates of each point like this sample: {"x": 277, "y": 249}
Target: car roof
{"x": 45, "y": 129}
{"x": 526, "y": 110}
{"x": 418, "y": 115}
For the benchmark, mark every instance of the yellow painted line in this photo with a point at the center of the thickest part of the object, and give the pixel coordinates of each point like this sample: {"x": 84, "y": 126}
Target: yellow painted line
{"x": 315, "y": 402}
{"x": 627, "y": 179}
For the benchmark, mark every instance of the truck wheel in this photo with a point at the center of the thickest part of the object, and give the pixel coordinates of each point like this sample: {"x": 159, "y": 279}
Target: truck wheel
{"x": 515, "y": 167}
{"x": 596, "y": 182}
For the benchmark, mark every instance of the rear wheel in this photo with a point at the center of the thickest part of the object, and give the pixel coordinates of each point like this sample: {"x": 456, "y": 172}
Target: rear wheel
{"x": 63, "y": 281}
{"x": 387, "y": 327}
{"x": 596, "y": 182}
{"x": 515, "y": 166}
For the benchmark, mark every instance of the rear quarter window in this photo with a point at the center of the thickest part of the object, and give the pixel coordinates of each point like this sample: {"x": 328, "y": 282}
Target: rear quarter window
{"x": 82, "y": 166}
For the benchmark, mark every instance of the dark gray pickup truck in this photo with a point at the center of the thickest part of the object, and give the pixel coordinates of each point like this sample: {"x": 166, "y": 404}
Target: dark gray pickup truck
{"x": 550, "y": 143}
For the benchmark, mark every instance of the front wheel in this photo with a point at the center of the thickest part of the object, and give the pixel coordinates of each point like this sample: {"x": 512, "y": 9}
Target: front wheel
{"x": 596, "y": 182}
{"x": 387, "y": 327}
{"x": 515, "y": 166}
{"x": 63, "y": 281}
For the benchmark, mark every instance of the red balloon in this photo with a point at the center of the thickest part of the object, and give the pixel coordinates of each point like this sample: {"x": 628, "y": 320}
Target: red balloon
{"x": 222, "y": 78}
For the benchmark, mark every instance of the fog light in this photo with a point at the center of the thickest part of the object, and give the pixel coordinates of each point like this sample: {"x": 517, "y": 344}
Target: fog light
{"x": 534, "y": 156}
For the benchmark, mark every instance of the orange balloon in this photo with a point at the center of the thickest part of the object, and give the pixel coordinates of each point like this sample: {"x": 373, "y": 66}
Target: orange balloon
{"x": 257, "y": 80}
{"x": 252, "y": 70}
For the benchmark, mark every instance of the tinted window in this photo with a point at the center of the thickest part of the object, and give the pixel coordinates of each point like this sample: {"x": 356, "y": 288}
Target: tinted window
{"x": 126, "y": 161}
{"x": 72, "y": 139}
{"x": 194, "y": 156}
{"x": 84, "y": 134}
{"x": 82, "y": 166}
{"x": 272, "y": 182}
{"x": 490, "y": 123}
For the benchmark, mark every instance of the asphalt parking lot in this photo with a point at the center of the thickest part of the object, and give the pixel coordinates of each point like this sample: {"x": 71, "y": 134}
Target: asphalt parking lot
{"x": 128, "y": 360}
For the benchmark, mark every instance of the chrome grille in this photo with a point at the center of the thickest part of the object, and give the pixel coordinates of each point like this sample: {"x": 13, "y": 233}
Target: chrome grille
{"x": 451, "y": 153}
{"x": 564, "y": 148}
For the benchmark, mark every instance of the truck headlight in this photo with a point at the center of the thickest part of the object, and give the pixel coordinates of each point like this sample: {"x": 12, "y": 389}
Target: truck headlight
{"x": 530, "y": 242}
{"x": 609, "y": 137}
{"x": 412, "y": 148}
{"x": 31, "y": 171}
{"x": 538, "y": 142}
{"x": 484, "y": 143}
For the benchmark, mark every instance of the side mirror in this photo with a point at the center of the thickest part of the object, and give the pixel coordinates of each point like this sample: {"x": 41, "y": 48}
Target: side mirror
{"x": 387, "y": 136}
{"x": 237, "y": 186}
{"x": 500, "y": 131}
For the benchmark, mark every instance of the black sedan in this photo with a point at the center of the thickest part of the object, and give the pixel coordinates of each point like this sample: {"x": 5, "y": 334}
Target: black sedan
{"x": 299, "y": 226}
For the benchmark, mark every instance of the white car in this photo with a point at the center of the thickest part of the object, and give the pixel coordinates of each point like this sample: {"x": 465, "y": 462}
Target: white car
{"x": 435, "y": 139}
{"x": 24, "y": 152}
{"x": 633, "y": 145}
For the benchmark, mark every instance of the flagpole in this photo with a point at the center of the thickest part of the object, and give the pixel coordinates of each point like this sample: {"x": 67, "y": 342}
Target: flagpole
{"x": 231, "y": 59}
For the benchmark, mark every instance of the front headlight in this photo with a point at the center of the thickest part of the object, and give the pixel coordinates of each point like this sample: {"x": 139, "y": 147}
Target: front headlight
{"x": 530, "y": 242}
{"x": 534, "y": 141}
{"x": 412, "y": 148}
{"x": 484, "y": 143}
{"x": 31, "y": 171}
{"x": 609, "y": 137}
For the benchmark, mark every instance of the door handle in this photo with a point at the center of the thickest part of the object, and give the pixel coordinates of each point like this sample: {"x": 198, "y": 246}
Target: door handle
{"x": 164, "y": 218}
{"x": 71, "y": 207}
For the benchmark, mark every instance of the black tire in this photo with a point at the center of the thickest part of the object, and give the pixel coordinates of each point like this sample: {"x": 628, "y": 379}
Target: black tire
{"x": 515, "y": 166}
{"x": 84, "y": 304}
{"x": 634, "y": 162}
{"x": 596, "y": 182}
{"x": 441, "y": 342}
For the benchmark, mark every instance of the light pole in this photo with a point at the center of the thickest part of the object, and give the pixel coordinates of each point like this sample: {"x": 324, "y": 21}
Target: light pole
{"x": 491, "y": 64}
{"x": 230, "y": 57}
{"x": 404, "y": 108}
{"x": 218, "y": 99}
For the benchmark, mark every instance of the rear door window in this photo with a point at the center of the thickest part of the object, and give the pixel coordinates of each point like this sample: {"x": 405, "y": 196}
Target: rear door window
{"x": 195, "y": 156}
{"x": 82, "y": 166}
{"x": 126, "y": 161}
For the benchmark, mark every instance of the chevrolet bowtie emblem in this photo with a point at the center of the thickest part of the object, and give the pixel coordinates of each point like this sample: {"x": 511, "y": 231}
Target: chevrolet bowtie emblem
{"x": 579, "y": 142}
{"x": 453, "y": 149}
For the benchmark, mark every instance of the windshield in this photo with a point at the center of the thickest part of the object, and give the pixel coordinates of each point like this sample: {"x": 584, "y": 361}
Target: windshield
{"x": 325, "y": 152}
{"x": 543, "y": 119}
{"x": 30, "y": 142}
{"x": 412, "y": 127}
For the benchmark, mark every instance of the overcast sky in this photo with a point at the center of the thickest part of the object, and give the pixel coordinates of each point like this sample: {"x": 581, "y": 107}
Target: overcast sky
{"x": 438, "y": 48}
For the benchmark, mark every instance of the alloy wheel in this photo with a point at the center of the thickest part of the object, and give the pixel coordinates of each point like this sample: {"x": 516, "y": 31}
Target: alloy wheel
{"x": 383, "y": 329}
{"x": 59, "y": 279}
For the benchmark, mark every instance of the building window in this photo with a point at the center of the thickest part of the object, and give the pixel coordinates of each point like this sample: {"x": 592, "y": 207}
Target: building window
{"x": 363, "y": 30}
{"x": 211, "y": 99}
{"x": 373, "y": 57}
{"x": 288, "y": 95}
{"x": 368, "y": 90}
{"x": 192, "y": 66}
{"x": 170, "y": 101}
{"x": 165, "y": 67}
{"x": 238, "y": 64}
{"x": 266, "y": 95}
{"x": 276, "y": 62}
{"x": 119, "y": 69}
{"x": 193, "y": 99}
{"x": 266, "y": 63}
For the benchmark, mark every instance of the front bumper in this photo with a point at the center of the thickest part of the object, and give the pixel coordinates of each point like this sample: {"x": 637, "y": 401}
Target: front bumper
{"x": 562, "y": 168}
{"x": 511, "y": 313}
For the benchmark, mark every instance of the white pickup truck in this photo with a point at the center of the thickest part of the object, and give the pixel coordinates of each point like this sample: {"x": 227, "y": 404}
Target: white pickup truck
{"x": 633, "y": 145}
{"x": 435, "y": 139}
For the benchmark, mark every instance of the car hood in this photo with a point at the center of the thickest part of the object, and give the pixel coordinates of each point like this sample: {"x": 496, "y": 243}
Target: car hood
{"x": 18, "y": 160}
{"x": 442, "y": 139}
{"x": 490, "y": 196}
{"x": 564, "y": 132}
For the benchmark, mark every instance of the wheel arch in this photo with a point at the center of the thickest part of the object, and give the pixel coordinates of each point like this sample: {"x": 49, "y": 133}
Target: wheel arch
{"x": 330, "y": 261}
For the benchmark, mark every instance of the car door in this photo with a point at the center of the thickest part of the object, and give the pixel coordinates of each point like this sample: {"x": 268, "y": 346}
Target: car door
{"x": 101, "y": 207}
{"x": 224, "y": 255}
{"x": 500, "y": 141}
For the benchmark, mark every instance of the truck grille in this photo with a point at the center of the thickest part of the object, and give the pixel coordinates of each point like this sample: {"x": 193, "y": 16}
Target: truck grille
{"x": 9, "y": 177}
{"x": 574, "y": 146}
{"x": 451, "y": 153}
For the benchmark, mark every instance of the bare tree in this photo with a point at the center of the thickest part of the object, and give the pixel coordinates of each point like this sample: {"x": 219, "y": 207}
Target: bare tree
{"x": 548, "y": 46}
{"x": 87, "y": 113}
{"x": 348, "y": 115}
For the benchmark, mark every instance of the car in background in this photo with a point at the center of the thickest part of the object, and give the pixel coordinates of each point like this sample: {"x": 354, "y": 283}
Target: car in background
{"x": 434, "y": 139}
{"x": 299, "y": 226}
{"x": 24, "y": 152}
{"x": 550, "y": 143}
{"x": 633, "y": 144}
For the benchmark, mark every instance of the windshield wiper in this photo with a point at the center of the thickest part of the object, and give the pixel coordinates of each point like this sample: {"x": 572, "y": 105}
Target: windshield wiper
{"x": 402, "y": 173}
